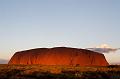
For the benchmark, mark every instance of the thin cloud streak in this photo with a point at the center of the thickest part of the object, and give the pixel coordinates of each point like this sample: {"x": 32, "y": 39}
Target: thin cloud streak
{"x": 104, "y": 48}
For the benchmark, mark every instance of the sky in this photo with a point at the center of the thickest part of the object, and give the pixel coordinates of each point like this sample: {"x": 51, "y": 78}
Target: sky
{"x": 26, "y": 24}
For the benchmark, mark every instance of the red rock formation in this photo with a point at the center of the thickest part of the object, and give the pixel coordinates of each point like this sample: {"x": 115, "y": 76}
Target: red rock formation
{"x": 59, "y": 56}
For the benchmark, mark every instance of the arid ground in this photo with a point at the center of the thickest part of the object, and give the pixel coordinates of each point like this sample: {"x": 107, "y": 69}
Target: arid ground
{"x": 58, "y": 72}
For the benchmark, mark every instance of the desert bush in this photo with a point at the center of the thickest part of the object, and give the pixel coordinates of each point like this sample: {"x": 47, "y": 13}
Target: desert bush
{"x": 65, "y": 72}
{"x": 113, "y": 66}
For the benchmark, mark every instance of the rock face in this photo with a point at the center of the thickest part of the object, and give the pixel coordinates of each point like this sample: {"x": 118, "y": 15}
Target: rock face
{"x": 59, "y": 56}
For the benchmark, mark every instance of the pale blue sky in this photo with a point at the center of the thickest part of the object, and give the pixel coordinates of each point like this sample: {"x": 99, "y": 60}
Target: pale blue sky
{"x": 28, "y": 24}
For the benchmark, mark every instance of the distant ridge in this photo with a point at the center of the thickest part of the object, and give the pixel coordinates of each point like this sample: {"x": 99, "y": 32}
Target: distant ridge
{"x": 3, "y": 61}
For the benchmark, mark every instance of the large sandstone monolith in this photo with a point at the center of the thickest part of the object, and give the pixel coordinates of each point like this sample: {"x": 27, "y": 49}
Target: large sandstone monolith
{"x": 59, "y": 56}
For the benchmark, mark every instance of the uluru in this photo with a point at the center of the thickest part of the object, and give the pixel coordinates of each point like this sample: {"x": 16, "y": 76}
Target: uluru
{"x": 59, "y": 56}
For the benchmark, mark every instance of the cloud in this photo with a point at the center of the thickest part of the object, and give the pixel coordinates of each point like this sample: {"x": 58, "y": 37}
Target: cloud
{"x": 104, "y": 48}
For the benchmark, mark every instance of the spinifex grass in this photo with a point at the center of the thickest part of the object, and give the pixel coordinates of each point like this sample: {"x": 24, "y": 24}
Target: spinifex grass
{"x": 59, "y": 72}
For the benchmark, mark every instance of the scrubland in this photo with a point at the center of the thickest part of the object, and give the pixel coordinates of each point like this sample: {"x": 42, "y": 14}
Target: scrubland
{"x": 58, "y": 72}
